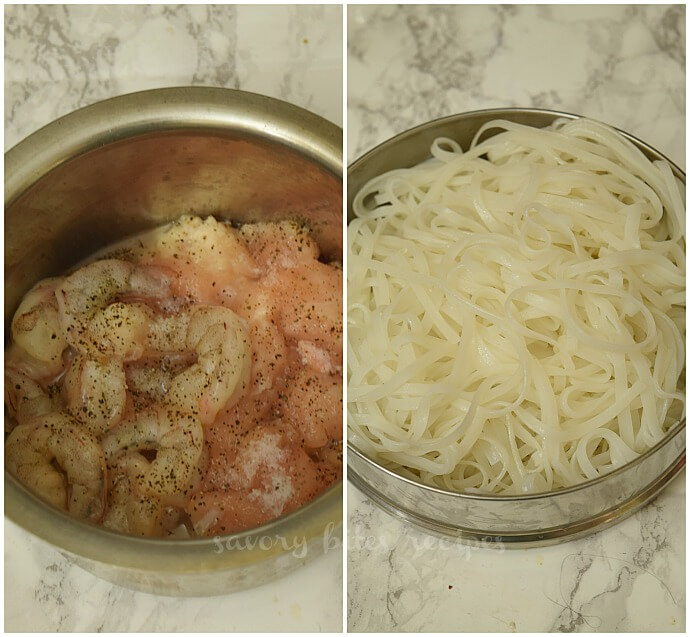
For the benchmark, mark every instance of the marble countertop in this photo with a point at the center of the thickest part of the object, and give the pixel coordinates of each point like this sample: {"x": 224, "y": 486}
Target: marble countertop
{"x": 45, "y": 592}
{"x": 59, "y": 58}
{"x": 623, "y": 65}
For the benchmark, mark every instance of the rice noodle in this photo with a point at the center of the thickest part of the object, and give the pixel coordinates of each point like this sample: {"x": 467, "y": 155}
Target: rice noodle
{"x": 516, "y": 312}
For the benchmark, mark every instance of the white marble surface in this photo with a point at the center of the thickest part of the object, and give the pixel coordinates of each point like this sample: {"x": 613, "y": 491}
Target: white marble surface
{"x": 59, "y": 58}
{"x": 45, "y": 592}
{"x": 628, "y": 578}
{"x": 624, "y": 65}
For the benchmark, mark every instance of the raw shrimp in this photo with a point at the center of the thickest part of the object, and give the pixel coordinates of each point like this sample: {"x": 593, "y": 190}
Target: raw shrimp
{"x": 177, "y": 439}
{"x": 149, "y": 379}
{"x": 220, "y": 339}
{"x": 36, "y": 328}
{"x": 41, "y": 372}
{"x": 130, "y": 508}
{"x": 148, "y": 384}
{"x": 216, "y": 335}
{"x": 206, "y": 360}
{"x": 93, "y": 323}
{"x": 78, "y": 486}
{"x": 96, "y": 393}
{"x": 24, "y": 397}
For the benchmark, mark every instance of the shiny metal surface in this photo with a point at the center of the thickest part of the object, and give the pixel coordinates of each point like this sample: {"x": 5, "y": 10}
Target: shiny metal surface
{"x": 492, "y": 520}
{"x": 132, "y": 163}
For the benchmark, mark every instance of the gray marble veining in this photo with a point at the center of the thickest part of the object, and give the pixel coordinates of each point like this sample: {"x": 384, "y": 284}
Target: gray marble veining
{"x": 627, "y": 578}
{"x": 61, "y": 57}
{"x": 49, "y": 593}
{"x": 624, "y": 65}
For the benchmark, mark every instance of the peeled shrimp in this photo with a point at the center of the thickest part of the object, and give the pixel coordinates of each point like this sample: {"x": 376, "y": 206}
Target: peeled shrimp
{"x": 91, "y": 319}
{"x": 96, "y": 393}
{"x": 24, "y": 397}
{"x": 175, "y": 436}
{"x": 206, "y": 360}
{"x": 221, "y": 341}
{"x": 130, "y": 509}
{"x": 39, "y": 371}
{"x": 149, "y": 379}
{"x": 78, "y": 486}
{"x": 36, "y": 328}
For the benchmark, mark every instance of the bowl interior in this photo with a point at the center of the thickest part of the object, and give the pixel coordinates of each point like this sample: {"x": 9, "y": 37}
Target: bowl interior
{"x": 135, "y": 162}
{"x": 130, "y": 185}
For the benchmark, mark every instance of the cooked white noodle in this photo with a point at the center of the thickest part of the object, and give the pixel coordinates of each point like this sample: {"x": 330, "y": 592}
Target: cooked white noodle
{"x": 516, "y": 312}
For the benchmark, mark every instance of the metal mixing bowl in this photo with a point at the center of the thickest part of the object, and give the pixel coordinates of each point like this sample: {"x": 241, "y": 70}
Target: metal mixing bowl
{"x": 132, "y": 163}
{"x": 492, "y": 520}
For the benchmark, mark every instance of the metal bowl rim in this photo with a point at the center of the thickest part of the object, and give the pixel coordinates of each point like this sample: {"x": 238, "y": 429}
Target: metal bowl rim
{"x": 152, "y": 543}
{"x": 169, "y": 96}
{"x": 164, "y": 111}
{"x": 541, "y": 495}
{"x": 505, "y": 111}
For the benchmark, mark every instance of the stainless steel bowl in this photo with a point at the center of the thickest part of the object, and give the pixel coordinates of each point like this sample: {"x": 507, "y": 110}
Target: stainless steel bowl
{"x": 132, "y": 163}
{"x": 493, "y": 520}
